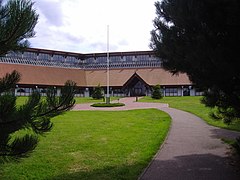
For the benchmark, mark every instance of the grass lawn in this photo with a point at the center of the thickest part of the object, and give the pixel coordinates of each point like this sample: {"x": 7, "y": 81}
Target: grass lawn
{"x": 21, "y": 100}
{"x": 79, "y": 100}
{"x": 94, "y": 145}
{"x": 193, "y": 105}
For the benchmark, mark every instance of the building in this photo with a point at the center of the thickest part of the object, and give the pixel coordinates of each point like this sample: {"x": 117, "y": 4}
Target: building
{"x": 131, "y": 73}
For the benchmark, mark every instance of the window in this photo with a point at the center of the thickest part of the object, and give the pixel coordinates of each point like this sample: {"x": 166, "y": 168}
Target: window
{"x": 46, "y": 57}
{"x": 58, "y": 58}
{"x": 101, "y": 60}
{"x": 29, "y": 55}
{"x": 171, "y": 92}
{"x": 130, "y": 58}
{"x": 115, "y": 59}
{"x": 143, "y": 57}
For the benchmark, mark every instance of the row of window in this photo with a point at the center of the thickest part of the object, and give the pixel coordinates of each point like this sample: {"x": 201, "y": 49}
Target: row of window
{"x": 33, "y": 55}
{"x": 123, "y": 65}
{"x": 28, "y": 91}
{"x": 81, "y": 65}
{"x": 49, "y": 57}
{"x": 114, "y": 92}
{"x": 39, "y": 63}
{"x": 44, "y": 57}
{"x": 114, "y": 59}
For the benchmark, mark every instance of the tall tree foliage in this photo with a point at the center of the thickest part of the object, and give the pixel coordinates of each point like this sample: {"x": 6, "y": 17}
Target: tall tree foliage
{"x": 21, "y": 125}
{"x": 201, "y": 38}
{"x": 17, "y": 22}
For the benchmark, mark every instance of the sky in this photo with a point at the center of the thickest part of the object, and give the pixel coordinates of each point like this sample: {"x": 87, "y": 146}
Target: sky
{"x": 81, "y": 25}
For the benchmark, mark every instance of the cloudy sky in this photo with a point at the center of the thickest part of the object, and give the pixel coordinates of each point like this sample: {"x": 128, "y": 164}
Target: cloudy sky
{"x": 81, "y": 25}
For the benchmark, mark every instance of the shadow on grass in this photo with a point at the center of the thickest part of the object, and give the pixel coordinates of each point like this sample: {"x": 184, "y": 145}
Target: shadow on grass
{"x": 107, "y": 173}
{"x": 193, "y": 167}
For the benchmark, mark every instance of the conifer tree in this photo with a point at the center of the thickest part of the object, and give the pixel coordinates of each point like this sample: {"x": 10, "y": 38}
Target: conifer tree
{"x": 17, "y": 22}
{"x": 201, "y": 38}
{"x": 20, "y": 126}
{"x": 156, "y": 93}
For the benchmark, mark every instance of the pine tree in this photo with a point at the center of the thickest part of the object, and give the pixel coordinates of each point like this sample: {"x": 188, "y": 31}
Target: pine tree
{"x": 201, "y": 38}
{"x": 20, "y": 126}
{"x": 17, "y": 22}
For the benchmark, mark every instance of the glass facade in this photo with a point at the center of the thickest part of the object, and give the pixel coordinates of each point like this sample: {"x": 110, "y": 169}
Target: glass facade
{"x": 44, "y": 57}
{"x": 122, "y": 61}
{"x": 171, "y": 92}
{"x": 23, "y": 91}
{"x": 94, "y": 61}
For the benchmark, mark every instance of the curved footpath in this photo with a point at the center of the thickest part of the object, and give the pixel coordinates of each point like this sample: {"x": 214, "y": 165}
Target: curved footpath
{"x": 192, "y": 151}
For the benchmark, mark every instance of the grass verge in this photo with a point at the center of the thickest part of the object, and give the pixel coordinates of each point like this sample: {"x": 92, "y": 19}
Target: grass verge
{"x": 94, "y": 145}
{"x": 79, "y": 100}
{"x": 193, "y": 105}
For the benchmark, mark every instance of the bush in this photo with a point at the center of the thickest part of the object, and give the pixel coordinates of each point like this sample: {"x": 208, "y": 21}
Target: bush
{"x": 97, "y": 92}
{"x": 157, "y": 94}
{"x": 107, "y": 105}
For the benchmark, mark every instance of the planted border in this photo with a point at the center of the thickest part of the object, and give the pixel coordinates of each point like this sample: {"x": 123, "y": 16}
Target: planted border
{"x": 108, "y": 105}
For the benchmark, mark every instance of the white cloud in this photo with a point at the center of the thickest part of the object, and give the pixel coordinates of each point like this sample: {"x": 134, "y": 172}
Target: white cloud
{"x": 52, "y": 12}
{"x": 81, "y": 26}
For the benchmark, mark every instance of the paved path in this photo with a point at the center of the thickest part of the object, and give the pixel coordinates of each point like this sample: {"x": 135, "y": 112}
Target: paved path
{"x": 193, "y": 150}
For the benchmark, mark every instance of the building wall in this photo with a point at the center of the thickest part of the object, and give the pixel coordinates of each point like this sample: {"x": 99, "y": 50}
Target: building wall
{"x": 40, "y": 68}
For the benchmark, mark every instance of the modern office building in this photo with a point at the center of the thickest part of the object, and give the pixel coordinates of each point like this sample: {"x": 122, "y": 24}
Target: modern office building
{"x": 131, "y": 73}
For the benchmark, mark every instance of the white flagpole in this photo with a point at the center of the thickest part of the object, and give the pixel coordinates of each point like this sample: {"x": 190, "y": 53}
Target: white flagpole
{"x": 108, "y": 75}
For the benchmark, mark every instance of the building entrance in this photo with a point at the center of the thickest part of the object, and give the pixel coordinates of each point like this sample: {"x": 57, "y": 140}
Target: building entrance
{"x": 135, "y": 86}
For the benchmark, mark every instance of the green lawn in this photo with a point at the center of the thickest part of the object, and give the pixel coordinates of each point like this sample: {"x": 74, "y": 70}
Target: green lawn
{"x": 21, "y": 100}
{"x": 79, "y": 100}
{"x": 192, "y": 104}
{"x": 94, "y": 145}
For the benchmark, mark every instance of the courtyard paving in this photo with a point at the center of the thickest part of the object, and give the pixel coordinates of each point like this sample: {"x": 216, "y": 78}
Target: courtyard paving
{"x": 193, "y": 150}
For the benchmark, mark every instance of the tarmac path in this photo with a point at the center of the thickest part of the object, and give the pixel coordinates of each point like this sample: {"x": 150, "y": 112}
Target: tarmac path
{"x": 193, "y": 150}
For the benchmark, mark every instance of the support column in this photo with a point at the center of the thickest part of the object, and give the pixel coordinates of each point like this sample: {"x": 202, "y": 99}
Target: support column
{"x": 58, "y": 92}
{"x": 15, "y": 90}
{"x": 182, "y": 91}
{"x": 86, "y": 92}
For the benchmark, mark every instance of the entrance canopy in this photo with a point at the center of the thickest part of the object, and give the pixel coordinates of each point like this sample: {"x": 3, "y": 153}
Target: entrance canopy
{"x": 136, "y": 86}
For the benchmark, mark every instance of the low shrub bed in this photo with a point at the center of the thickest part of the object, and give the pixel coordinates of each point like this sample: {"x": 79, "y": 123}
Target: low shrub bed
{"x": 107, "y": 105}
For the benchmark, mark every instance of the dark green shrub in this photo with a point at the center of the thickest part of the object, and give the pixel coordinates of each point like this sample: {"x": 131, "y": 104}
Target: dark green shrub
{"x": 156, "y": 93}
{"x": 97, "y": 92}
{"x": 107, "y": 105}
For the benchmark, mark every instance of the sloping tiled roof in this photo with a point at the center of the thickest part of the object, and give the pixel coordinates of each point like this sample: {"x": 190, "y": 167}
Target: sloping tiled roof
{"x": 152, "y": 76}
{"x": 42, "y": 75}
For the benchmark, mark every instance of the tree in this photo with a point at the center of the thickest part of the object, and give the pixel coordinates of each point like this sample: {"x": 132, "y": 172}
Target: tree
{"x": 97, "y": 92}
{"x": 201, "y": 38}
{"x": 21, "y": 125}
{"x": 156, "y": 93}
{"x": 17, "y": 22}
